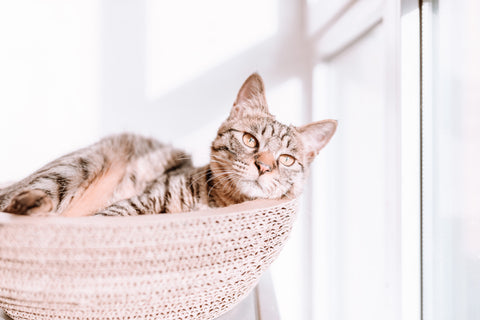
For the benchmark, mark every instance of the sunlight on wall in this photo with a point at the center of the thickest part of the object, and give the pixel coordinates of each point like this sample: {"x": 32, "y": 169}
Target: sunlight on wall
{"x": 198, "y": 141}
{"x": 320, "y": 13}
{"x": 183, "y": 40}
{"x": 48, "y": 80}
{"x": 285, "y": 101}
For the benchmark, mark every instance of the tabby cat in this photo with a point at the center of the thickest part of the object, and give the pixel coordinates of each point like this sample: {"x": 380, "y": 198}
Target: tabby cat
{"x": 253, "y": 156}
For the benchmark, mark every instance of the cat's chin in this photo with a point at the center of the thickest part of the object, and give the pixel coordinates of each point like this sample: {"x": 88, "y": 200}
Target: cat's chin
{"x": 254, "y": 189}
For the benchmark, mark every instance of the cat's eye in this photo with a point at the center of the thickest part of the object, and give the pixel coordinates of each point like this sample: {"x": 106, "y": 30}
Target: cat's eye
{"x": 286, "y": 160}
{"x": 250, "y": 140}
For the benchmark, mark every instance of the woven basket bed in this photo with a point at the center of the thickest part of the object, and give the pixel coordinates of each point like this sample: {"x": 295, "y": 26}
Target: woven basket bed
{"x": 194, "y": 265}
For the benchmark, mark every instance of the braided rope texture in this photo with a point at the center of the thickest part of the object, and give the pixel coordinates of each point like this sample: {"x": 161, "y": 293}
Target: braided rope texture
{"x": 194, "y": 265}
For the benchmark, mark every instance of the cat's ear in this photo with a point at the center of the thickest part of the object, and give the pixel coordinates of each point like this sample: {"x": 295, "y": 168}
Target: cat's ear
{"x": 316, "y": 135}
{"x": 250, "y": 98}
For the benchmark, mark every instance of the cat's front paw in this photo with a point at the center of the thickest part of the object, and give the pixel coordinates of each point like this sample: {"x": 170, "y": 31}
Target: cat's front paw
{"x": 30, "y": 202}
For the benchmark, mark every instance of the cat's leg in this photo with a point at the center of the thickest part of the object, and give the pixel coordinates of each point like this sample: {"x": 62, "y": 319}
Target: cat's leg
{"x": 76, "y": 179}
{"x": 134, "y": 206}
{"x": 49, "y": 189}
{"x": 152, "y": 200}
{"x": 171, "y": 192}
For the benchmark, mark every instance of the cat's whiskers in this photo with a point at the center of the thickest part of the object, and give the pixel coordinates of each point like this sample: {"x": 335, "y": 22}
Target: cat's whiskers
{"x": 222, "y": 181}
{"x": 198, "y": 176}
{"x": 220, "y": 176}
{"x": 201, "y": 174}
{"x": 225, "y": 177}
{"x": 224, "y": 192}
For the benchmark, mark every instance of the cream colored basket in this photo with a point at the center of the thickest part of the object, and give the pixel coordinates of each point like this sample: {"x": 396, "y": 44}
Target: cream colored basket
{"x": 193, "y": 265}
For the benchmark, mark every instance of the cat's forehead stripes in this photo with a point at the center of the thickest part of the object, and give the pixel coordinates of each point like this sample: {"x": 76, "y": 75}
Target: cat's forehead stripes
{"x": 275, "y": 134}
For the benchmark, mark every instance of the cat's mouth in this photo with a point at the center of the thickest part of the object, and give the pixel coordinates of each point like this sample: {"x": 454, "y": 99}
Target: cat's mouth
{"x": 249, "y": 185}
{"x": 255, "y": 188}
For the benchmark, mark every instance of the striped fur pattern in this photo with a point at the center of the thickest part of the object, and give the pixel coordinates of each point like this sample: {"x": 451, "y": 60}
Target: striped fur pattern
{"x": 252, "y": 157}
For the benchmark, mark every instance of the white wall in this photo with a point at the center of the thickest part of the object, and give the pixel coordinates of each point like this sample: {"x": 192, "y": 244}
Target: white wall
{"x": 49, "y": 81}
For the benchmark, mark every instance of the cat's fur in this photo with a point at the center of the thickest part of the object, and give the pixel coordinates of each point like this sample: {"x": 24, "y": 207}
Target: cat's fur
{"x": 133, "y": 175}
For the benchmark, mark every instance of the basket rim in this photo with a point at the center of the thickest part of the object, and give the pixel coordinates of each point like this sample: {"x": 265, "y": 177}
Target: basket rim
{"x": 244, "y": 207}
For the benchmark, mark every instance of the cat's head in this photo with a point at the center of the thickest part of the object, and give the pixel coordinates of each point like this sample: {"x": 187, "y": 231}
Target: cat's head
{"x": 254, "y": 156}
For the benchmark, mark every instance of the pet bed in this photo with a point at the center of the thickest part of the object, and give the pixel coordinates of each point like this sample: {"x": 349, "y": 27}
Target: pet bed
{"x": 194, "y": 265}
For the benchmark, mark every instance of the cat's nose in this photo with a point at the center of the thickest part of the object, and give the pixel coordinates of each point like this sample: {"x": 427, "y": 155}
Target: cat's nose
{"x": 262, "y": 167}
{"x": 265, "y": 162}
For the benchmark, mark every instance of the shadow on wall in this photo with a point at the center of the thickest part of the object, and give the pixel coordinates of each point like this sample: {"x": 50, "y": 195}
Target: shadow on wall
{"x": 125, "y": 71}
